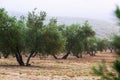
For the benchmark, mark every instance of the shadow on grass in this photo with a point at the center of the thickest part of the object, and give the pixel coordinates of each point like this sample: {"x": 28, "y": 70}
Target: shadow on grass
{"x": 47, "y": 67}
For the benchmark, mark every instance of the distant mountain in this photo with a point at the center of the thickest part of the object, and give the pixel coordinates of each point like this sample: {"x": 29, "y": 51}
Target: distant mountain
{"x": 103, "y": 29}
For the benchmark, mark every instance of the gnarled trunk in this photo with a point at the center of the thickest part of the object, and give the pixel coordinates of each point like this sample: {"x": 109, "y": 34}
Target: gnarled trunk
{"x": 77, "y": 55}
{"x": 19, "y": 57}
{"x": 28, "y": 60}
{"x": 65, "y": 56}
{"x": 34, "y": 54}
{"x": 55, "y": 56}
{"x": 0, "y": 55}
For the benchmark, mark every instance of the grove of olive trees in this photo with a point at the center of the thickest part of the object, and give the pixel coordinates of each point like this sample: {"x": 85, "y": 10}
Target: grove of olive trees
{"x": 31, "y": 36}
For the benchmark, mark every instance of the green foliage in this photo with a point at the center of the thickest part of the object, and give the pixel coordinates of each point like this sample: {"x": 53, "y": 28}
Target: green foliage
{"x": 3, "y": 18}
{"x": 106, "y": 75}
{"x": 77, "y": 38}
{"x": 102, "y": 44}
{"x": 86, "y": 34}
{"x": 52, "y": 39}
{"x": 116, "y": 43}
{"x": 116, "y": 39}
{"x": 87, "y": 30}
{"x": 35, "y": 20}
{"x": 34, "y": 29}
{"x": 77, "y": 42}
{"x": 30, "y": 35}
{"x": 10, "y": 33}
{"x": 70, "y": 35}
{"x": 91, "y": 44}
{"x": 117, "y": 12}
{"x": 117, "y": 66}
{"x": 100, "y": 70}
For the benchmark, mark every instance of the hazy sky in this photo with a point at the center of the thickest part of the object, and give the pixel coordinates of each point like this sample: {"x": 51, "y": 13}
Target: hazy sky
{"x": 94, "y": 9}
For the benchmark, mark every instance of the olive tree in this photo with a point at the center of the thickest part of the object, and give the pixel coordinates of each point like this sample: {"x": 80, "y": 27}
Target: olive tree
{"x": 77, "y": 39}
{"x": 92, "y": 46}
{"x": 52, "y": 39}
{"x": 35, "y": 23}
{"x": 83, "y": 39}
{"x": 11, "y": 35}
{"x": 69, "y": 33}
{"x": 102, "y": 44}
{"x": 86, "y": 35}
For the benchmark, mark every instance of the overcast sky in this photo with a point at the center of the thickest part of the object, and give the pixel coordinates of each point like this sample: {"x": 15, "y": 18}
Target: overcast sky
{"x": 94, "y": 9}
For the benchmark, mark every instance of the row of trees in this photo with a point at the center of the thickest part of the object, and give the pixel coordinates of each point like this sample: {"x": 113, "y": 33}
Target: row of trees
{"x": 30, "y": 36}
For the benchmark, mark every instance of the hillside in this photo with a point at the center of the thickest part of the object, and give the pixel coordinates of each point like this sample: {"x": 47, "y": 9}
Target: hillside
{"x": 103, "y": 29}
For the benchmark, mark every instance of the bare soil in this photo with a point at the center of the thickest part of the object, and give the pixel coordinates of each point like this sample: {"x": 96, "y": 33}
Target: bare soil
{"x": 50, "y": 69}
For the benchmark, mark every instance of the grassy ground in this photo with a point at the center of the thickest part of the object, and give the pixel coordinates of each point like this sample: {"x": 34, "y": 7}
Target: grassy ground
{"x": 51, "y": 69}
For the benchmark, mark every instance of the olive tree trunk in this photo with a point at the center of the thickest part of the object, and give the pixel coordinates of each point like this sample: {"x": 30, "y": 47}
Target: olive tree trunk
{"x": 19, "y": 57}
{"x": 66, "y": 55}
{"x": 28, "y": 60}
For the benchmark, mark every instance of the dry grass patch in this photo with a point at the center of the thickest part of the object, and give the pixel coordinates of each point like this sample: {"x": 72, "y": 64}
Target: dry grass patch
{"x": 51, "y": 69}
